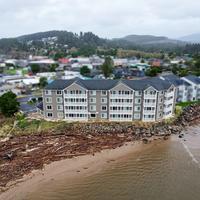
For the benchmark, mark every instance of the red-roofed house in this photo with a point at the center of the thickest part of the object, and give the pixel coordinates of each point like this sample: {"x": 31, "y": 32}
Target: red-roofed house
{"x": 63, "y": 60}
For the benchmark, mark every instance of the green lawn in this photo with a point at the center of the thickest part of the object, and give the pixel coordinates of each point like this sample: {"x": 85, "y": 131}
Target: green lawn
{"x": 188, "y": 103}
{"x": 10, "y": 72}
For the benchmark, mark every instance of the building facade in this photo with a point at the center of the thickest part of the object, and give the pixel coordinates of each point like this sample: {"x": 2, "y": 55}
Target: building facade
{"x": 109, "y": 100}
{"x": 188, "y": 87}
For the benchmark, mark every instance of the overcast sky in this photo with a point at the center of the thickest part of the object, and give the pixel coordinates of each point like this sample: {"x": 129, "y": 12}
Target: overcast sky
{"x": 107, "y": 18}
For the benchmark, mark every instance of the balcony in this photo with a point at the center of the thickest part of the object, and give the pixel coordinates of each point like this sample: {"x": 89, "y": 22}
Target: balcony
{"x": 150, "y": 104}
{"x": 148, "y": 96}
{"x": 121, "y": 96}
{"x": 75, "y": 95}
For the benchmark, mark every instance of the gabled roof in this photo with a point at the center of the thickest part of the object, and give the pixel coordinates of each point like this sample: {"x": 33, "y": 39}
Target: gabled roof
{"x": 143, "y": 84}
{"x": 99, "y": 84}
{"x": 59, "y": 84}
{"x": 156, "y": 83}
{"x": 193, "y": 79}
{"x": 40, "y": 106}
{"x": 175, "y": 80}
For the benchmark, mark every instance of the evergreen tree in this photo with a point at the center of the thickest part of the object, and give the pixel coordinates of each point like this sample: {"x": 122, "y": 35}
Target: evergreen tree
{"x": 85, "y": 71}
{"x": 43, "y": 82}
{"x": 8, "y": 104}
{"x": 107, "y": 67}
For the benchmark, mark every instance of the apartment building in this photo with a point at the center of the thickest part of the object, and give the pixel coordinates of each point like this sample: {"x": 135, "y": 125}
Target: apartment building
{"x": 182, "y": 87}
{"x": 110, "y": 100}
{"x": 188, "y": 87}
{"x": 194, "y": 89}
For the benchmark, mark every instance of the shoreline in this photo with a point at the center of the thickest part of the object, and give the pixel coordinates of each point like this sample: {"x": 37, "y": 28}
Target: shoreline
{"x": 77, "y": 150}
{"x": 73, "y": 169}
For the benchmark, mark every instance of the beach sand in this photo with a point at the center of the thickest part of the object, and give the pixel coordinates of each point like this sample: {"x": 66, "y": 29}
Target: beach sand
{"x": 70, "y": 169}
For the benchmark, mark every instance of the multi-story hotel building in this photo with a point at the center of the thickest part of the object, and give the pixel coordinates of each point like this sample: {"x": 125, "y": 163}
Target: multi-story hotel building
{"x": 112, "y": 100}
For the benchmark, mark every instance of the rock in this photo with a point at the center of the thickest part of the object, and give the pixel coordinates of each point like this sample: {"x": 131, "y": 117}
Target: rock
{"x": 149, "y": 135}
{"x": 165, "y": 137}
{"x": 145, "y": 140}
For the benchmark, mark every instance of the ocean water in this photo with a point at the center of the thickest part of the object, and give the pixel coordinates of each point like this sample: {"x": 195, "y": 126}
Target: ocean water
{"x": 166, "y": 171}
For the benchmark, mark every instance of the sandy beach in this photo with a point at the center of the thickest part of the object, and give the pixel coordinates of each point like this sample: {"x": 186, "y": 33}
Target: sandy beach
{"x": 72, "y": 169}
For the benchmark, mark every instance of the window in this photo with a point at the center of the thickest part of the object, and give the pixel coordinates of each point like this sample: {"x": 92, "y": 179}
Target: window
{"x": 150, "y": 100}
{"x": 59, "y": 107}
{"x": 48, "y": 99}
{"x": 93, "y": 115}
{"x": 137, "y": 116}
{"x": 138, "y": 93}
{"x": 92, "y": 92}
{"x": 137, "y": 100}
{"x": 149, "y": 116}
{"x": 113, "y": 92}
{"x": 92, "y": 108}
{"x": 60, "y": 115}
{"x": 103, "y": 93}
{"x": 49, "y": 114}
{"x": 48, "y": 92}
{"x": 137, "y": 108}
{"x": 59, "y": 100}
{"x": 92, "y": 100}
{"x": 103, "y": 100}
{"x": 104, "y": 108}
{"x": 49, "y": 107}
{"x": 59, "y": 92}
{"x": 104, "y": 115}
{"x": 149, "y": 108}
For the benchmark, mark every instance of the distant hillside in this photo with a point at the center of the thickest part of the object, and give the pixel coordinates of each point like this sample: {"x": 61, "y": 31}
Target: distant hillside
{"x": 45, "y": 42}
{"x": 193, "y": 38}
{"x": 64, "y": 38}
{"x": 149, "y": 40}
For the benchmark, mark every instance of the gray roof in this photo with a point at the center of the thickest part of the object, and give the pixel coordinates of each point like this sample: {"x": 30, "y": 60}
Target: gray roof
{"x": 193, "y": 78}
{"x": 59, "y": 84}
{"x": 40, "y": 106}
{"x": 143, "y": 84}
{"x": 175, "y": 80}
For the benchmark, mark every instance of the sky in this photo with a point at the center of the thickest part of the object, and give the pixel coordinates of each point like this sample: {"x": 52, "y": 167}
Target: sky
{"x": 106, "y": 18}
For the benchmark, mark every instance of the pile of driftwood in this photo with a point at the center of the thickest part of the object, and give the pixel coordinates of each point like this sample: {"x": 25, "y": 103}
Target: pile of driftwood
{"x": 19, "y": 155}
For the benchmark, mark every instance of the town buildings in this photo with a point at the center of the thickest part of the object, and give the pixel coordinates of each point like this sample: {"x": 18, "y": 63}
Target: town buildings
{"x": 109, "y": 100}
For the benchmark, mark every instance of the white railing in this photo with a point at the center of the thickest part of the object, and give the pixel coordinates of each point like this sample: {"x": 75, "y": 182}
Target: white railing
{"x": 149, "y": 104}
{"x": 118, "y": 112}
{"x": 75, "y": 103}
{"x": 148, "y": 96}
{"x": 121, "y": 96}
{"x": 75, "y": 95}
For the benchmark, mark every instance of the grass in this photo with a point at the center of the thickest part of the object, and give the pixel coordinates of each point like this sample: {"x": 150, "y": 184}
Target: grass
{"x": 10, "y": 72}
{"x": 25, "y": 126}
{"x": 188, "y": 103}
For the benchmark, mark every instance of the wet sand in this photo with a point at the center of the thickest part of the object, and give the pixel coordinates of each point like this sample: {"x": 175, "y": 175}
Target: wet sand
{"x": 72, "y": 169}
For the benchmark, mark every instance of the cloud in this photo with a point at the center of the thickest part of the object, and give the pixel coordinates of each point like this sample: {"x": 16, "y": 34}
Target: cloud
{"x": 106, "y": 18}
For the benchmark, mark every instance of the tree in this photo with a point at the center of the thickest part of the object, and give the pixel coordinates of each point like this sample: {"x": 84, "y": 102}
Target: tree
{"x": 43, "y": 82}
{"x": 107, "y": 66}
{"x": 8, "y": 104}
{"x": 85, "y": 71}
{"x": 59, "y": 55}
{"x": 153, "y": 71}
{"x": 142, "y": 60}
{"x": 35, "y": 68}
{"x": 53, "y": 67}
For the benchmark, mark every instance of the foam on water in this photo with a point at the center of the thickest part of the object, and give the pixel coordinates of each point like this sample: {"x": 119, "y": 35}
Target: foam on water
{"x": 190, "y": 153}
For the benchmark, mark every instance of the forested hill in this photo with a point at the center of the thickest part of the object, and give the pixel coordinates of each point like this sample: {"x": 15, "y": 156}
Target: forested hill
{"x": 65, "y": 38}
{"x": 45, "y": 42}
